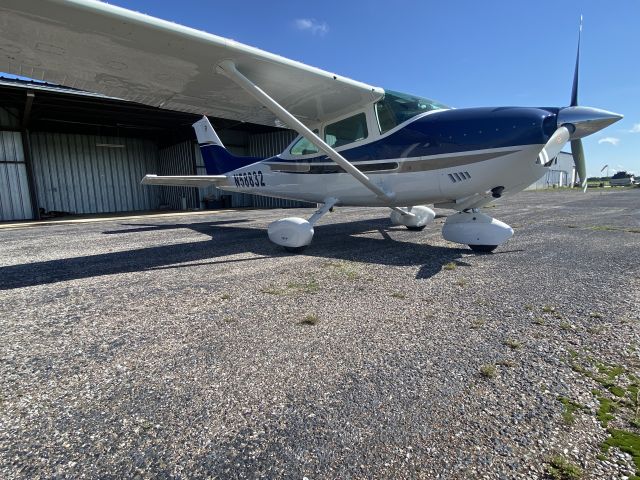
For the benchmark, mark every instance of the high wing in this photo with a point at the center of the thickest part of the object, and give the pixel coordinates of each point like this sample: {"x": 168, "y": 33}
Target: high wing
{"x": 184, "y": 180}
{"x": 102, "y": 48}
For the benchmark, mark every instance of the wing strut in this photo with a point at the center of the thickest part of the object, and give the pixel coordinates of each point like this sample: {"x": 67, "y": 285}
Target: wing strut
{"x": 228, "y": 69}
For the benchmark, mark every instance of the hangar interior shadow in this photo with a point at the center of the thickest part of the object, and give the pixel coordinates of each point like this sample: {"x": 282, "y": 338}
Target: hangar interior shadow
{"x": 334, "y": 241}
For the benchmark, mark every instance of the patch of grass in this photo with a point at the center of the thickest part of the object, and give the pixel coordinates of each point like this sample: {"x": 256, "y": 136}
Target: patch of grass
{"x": 560, "y": 468}
{"x": 488, "y": 370}
{"x": 570, "y": 408}
{"x": 512, "y": 343}
{"x": 399, "y": 295}
{"x": 309, "y": 286}
{"x": 628, "y": 442}
{"x": 538, "y": 321}
{"x": 344, "y": 268}
{"x": 595, "y": 315}
{"x": 566, "y": 326}
{"x": 605, "y": 411}
{"x": 225, "y": 296}
{"x": 310, "y": 319}
{"x": 528, "y": 308}
{"x": 450, "y": 266}
{"x": 548, "y": 309}
{"x": 617, "y": 391}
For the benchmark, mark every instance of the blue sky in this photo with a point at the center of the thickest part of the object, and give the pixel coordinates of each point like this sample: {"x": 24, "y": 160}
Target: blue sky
{"x": 461, "y": 52}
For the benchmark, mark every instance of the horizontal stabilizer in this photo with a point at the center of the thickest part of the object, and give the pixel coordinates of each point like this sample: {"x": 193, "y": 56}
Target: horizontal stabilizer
{"x": 184, "y": 180}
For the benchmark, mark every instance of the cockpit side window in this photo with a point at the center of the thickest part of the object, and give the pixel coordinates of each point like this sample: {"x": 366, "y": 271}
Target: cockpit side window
{"x": 348, "y": 130}
{"x": 304, "y": 146}
{"x": 396, "y": 108}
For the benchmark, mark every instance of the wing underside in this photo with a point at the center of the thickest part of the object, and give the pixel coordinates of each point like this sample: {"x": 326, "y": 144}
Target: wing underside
{"x": 102, "y": 48}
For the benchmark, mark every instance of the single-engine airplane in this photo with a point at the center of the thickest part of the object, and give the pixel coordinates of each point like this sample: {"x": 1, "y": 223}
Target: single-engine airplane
{"x": 358, "y": 144}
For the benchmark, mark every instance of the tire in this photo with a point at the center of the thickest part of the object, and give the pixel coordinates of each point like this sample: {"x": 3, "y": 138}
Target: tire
{"x": 416, "y": 229}
{"x": 294, "y": 249}
{"x": 483, "y": 248}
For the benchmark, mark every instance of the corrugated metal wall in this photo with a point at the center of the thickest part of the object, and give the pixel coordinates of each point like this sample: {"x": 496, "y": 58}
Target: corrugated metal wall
{"x": 178, "y": 159}
{"x": 15, "y": 199}
{"x": 269, "y": 144}
{"x": 73, "y": 174}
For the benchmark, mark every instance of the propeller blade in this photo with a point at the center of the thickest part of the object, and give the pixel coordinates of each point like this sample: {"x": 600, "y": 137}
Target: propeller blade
{"x": 574, "y": 89}
{"x": 578, "y": 158}
{"x": 554, "y": 146}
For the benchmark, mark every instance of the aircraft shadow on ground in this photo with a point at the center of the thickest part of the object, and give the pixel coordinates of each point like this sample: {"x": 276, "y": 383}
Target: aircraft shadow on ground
{"x": 342, "y": 241}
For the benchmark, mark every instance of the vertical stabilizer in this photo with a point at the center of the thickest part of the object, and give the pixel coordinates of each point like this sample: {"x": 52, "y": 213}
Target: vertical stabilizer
{"x": 217, "y": 158}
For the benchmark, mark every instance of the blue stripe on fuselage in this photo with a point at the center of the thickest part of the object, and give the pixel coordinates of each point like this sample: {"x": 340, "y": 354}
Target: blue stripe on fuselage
{"x": 218, "y": 160}
{"x": 454, "y": 131}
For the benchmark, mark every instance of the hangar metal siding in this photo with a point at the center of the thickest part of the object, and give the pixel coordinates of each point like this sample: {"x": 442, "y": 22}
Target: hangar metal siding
{"x": 267, "y": 145}
{"x": 15, "y": 200}
{"x": 74, "y": 175}
{"x": 178, "y": 159}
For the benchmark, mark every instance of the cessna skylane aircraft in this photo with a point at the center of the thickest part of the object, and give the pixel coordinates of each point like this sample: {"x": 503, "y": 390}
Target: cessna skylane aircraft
{"x": 358, "y": 145}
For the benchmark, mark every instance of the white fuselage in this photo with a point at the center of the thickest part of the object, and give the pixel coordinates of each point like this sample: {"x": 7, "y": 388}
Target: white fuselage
{"x": 414, "y": 182}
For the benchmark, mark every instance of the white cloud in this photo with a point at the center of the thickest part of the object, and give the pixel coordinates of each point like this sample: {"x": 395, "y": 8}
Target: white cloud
{"x": 311, "y": 25}
{"x": 612, "y": 140}
{"x": 635, "y": 128}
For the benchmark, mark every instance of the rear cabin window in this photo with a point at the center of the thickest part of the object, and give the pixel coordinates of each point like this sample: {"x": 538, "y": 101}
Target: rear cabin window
{"x": 304, "y": 146}
{"x": 346, "y": 131}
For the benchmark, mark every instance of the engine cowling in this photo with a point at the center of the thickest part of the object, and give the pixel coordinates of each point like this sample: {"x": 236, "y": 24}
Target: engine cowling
{"x": 292, "y": 232}
{"x": 421, "y": 216}
{"x": 476, "y": 229}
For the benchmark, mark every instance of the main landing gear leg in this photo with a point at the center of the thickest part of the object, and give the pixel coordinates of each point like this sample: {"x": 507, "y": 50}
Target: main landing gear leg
{"x": 295, "y": 233}
{"x": 482, "y": 233}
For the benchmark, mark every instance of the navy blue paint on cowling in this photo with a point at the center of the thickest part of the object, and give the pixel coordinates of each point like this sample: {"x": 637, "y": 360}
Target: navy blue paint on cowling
{"x": 455, "y": 131}
{"x": 218, "y": 160}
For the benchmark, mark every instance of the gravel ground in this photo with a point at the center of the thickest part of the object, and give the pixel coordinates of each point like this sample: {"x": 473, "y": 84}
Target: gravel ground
{"x": 192, "y": 347}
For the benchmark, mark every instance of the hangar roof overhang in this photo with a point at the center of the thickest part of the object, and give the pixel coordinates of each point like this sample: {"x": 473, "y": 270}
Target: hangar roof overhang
{"x": 53, "y": 108}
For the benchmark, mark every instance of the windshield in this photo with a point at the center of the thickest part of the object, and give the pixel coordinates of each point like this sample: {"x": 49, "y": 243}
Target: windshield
{"x": 397, "y": 107}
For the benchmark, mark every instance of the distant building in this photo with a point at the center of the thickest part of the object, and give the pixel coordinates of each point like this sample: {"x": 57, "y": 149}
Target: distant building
{"x": 562, "y": 173}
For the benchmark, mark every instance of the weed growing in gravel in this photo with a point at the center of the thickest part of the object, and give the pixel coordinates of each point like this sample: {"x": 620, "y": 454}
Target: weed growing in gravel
{"x": 507, "y": 363}
{"x": 477, "y": 323}
{"x": 560, "y": 468}
{"x": 310, "y": 319}
{"x": 462, "y": 282}
{"x": 548, "y": 309}
{"x": 399, "y": 295}
{"x": 595, "y": 330}
{"x": 566, "y": 326}
{"x": 512, "y": 344}
{"x": 538, "y": 321}
{"x": 488, "y": 370}
{"x": 570, "y": 408}
{"x": 225, "y": 296}
{"x": 528, "y": 308}
{"x": 595, "y": 315}
{"x": 450, "y": 266}
{"x": 272, "y": 290}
